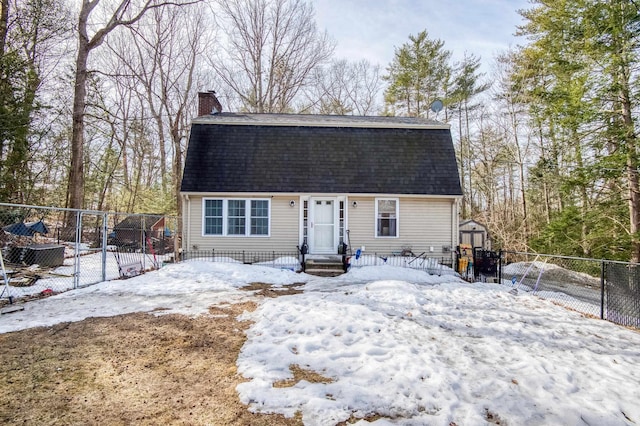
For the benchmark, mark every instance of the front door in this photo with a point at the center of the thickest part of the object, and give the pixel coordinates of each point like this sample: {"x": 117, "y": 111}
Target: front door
{"x": 323, "y": 227}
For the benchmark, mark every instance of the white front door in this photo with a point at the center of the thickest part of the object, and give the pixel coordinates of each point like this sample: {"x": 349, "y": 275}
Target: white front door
{"x": 323, "y": 227}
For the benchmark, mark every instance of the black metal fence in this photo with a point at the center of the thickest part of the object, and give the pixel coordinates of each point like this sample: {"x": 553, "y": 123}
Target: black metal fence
{"x": 430, "y": 264}
{"x": 601, "y": 288}
{"x": 621, "y": 293}
{"x": 281, "y": 260}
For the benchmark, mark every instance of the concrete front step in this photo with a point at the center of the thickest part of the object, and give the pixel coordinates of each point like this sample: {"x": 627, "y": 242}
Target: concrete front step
{"x": 324, "y": 272}
{"x": 324, "y": 267}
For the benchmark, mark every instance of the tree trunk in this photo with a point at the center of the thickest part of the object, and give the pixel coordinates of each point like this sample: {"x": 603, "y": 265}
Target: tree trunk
{"x": 4, "y": 23}
{"x": 75, "y": 190}
{"x": 462, "y": 154}
{"x": 632, "y": 170}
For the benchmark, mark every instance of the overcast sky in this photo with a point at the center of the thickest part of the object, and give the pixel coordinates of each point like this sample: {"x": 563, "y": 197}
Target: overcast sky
{"x": 372, "y": 29}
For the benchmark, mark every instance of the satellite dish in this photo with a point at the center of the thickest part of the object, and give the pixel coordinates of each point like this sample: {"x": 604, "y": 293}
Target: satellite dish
{"x": 436, "y": 106}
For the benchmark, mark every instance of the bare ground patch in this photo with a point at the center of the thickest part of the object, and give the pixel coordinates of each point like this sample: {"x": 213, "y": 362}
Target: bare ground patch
{"x": 131, "y": 369}
{"x": 299, "y": 374}
{"x": 267, "y": 290}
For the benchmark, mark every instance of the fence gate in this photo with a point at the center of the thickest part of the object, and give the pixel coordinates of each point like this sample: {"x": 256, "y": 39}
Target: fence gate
{"x": 622, "y": 293}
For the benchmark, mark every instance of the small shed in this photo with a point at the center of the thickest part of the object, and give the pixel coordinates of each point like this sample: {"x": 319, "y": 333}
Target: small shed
{"x": 474, "y": 234}
{"x": 136, "y": 227}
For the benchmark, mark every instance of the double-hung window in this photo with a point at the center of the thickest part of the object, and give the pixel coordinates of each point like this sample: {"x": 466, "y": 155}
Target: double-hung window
{"x": 236, "y": 217}
{"x": 213, "y": 217}
{"x": 386, "y": 217}
{"x": 259, "y": 217}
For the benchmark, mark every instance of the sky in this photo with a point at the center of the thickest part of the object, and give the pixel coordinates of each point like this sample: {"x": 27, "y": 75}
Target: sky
{"x": 372, "y": 29}
{"x": 412, "y": 347}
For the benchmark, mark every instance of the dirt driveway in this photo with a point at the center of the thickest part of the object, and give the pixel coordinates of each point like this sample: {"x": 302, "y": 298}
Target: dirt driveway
{"x": 137, "y": 369}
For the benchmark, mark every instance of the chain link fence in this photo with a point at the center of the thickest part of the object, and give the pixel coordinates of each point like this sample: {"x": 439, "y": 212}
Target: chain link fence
{"x": 599, "y": 288}
{"x": 48, "y": 250}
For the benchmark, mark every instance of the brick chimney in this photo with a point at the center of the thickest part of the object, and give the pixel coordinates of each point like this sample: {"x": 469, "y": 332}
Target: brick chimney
{"x": 208, "y": 103}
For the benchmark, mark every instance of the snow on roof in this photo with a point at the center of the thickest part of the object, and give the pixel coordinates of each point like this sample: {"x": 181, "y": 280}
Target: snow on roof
{"x": 316, "y": 120}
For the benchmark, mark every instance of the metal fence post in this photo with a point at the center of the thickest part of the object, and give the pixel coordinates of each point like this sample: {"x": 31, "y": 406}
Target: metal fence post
{"x": 602, "y": 292}
{"x": 104, "y": 246}
{"x": 76, "y": 266}
{"x": 143, "y": 237}
{"x": 500, "y": 254}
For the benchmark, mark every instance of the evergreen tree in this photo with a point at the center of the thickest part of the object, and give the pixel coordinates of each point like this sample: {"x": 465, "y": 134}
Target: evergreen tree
{"x": 418, "y": 75}
{"x": 579, "y": 76}
{"x": 467, "y": 85}
{"x": 27, "y": 31}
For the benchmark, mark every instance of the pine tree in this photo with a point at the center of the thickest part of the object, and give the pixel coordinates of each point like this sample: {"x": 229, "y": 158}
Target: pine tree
{"x": 418, "y": 75}
{"x": 579, "y": 76}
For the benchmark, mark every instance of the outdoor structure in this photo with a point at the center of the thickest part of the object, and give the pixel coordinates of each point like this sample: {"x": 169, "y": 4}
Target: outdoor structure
{"x": 474, "y": 234}
{"x": 134, "y": 228}
{"x": 274, "y": 182}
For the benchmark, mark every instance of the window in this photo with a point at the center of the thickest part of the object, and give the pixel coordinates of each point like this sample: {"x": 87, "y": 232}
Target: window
{"x": 259, "y": 217}
{"x": 213, "y": 217}
{"x": 236, "y": 217}
{"x": 386, "y": 218}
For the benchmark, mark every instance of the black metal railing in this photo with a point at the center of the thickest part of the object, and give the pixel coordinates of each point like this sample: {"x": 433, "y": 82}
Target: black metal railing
{"x": 431, "y": 264}
{"x": 274, "y": 259}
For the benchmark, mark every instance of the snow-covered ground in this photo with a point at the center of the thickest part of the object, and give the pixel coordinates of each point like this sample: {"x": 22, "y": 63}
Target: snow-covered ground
{"x": 61, "y": 278}
{"x": 415, "y": 348}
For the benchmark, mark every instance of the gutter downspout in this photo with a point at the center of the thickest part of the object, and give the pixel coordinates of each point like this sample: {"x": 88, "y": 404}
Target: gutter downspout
{"x": 455, "y": 228}
{"x": 186, "y": 220}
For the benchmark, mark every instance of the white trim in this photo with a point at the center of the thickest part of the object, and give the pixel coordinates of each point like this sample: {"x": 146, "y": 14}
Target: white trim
{"x": 305, "y": 194}
{"x": 455, "y": 225}
{"x": 302, "y": 199}
{"x": 186, "y": 242}
{"x": 280, "y": 120}
{"x": 375, "y": 225}
{"x": 225, "y": 217}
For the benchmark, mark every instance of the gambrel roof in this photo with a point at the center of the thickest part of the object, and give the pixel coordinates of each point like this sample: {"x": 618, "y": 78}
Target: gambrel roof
{"x": 287, "y": 153}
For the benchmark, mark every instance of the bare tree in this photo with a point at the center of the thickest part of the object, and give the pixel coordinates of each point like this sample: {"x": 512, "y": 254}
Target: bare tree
{"x": 126, "y": 12}
{"x": 272, "y": 48}
{"x": 344, "y": 88}
{"x": 167, "y": 72}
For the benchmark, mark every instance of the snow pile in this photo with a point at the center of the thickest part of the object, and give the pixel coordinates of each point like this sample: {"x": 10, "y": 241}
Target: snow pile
{"x": 452, "y": 352}
{"x": 411, "y": 347}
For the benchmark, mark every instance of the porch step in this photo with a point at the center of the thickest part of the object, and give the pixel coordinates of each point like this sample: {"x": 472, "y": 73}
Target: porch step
{"x": 324, "y": 267}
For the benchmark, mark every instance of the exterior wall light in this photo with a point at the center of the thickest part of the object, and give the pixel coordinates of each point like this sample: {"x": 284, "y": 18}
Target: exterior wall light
{"x": 354, "y": 204}
{"x": 292, "y": 203}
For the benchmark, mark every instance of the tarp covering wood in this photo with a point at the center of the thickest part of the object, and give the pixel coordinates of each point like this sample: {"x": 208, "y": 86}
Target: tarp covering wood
{"x": 27, "y": 229}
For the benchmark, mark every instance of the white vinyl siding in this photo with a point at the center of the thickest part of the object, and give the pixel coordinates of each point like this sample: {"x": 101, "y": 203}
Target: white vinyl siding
{"x": 283, "y": 230}
{"x": 425, "y": 223}
{"x": 422, "y": 223}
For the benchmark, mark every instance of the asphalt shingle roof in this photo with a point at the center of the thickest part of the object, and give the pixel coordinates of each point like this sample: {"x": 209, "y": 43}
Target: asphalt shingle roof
{"x": 327, "y": 154}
